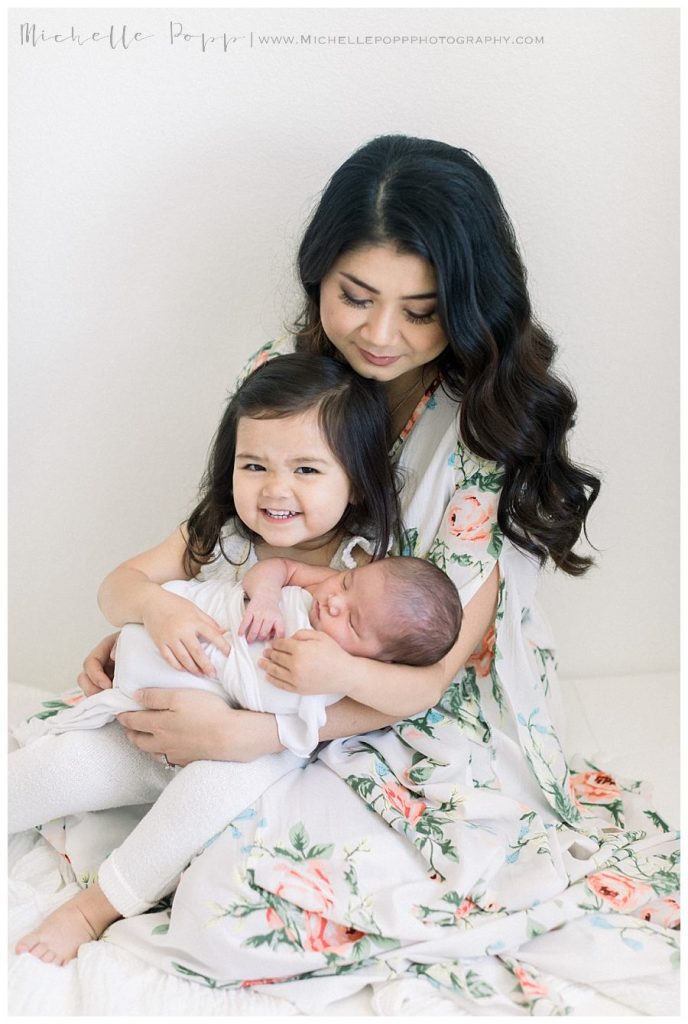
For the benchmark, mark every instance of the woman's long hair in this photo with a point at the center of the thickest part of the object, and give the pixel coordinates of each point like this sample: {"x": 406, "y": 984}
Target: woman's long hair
{"x": 354, "y": 419}
{"x": 436, "y": 201}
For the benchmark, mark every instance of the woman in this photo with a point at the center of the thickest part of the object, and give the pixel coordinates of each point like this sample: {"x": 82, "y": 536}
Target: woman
{"x": 412, "y": 275}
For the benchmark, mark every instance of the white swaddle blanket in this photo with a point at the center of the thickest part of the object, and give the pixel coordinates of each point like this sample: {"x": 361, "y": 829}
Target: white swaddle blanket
{"x": 139, "y": 664}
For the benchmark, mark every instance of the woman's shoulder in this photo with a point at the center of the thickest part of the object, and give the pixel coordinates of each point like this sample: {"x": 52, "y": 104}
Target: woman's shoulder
{"x": 435, "y": 461}
{"x": 471, "y": 470}
{"x": 276, "y": 347}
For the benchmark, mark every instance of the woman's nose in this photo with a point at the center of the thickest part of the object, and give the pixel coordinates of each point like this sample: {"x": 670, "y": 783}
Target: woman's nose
{"x": 380, "y": 327}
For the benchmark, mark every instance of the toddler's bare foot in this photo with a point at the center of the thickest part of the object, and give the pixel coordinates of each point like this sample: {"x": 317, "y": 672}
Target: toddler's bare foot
{"x": 84, "y": 918}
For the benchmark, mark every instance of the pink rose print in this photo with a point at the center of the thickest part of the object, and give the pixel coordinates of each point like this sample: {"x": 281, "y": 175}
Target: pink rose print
{"x": 260, "y": 981}
{"x": 322, "y": 935}
{"x": 529, "y": 986}
{"x": 594, "y": 787}
{"x": 482, "y": 659}
{"x": 307, "y": 885}
{"x": 620, "y": 892}
{"x": 73, "y": 698}
{"x": 472, "y": 519}
{"x": 402, "y": 801}
{"x": 275, "y": 923}
{"x": 262, "y": 358}
{"x": 465, "y": 909}
{"x": 665, "y": 912}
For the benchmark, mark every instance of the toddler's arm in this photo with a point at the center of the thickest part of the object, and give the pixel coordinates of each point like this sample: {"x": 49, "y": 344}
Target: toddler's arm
{"x": 133, "y": 593}
{"x": 263, "y": 584}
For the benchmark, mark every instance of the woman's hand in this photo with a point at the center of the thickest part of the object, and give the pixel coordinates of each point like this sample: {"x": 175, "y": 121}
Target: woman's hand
{"x": 308, "y": 662}
{"x": 99, "y": 667}
{"x": 193, "y": 725}
{"x": 176, "y": 626}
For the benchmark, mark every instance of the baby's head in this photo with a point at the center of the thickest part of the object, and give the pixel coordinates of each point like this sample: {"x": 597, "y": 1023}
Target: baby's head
{"x": 402, "y": 610}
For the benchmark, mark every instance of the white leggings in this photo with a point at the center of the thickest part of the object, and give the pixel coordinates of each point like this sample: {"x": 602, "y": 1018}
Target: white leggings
{"x": 95, "y": 769}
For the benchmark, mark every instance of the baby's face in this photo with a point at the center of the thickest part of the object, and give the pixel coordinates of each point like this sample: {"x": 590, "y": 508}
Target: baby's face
{"x": 350, "y": 607}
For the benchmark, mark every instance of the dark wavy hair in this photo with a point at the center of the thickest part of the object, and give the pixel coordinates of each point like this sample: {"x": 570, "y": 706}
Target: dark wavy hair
{"x": 354, "y": 418}
{"x": 437, "y": 201}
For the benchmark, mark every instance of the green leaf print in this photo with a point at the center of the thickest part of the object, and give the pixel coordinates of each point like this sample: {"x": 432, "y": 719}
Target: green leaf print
{"x": 325, "y": 850}
{"x": 462, "y": 700}
{"x": 363, "y": 785}
{"x": 187, "y": 972}
{"x": 534, "y": 928}
{"x": 665, "y": 882}
{"x": 660, "y": 823}
{"x": 298, "y": 837}
{"x": 462, "y": 560}
{"x": 409, "y": 542}
{"x": 438, "y": 554}
{"x": 496, "y": 541}
{"x": 161, "y": 929}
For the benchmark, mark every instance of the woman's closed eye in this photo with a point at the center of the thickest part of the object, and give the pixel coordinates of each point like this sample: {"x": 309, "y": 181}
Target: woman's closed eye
{"x": 419, "y": 318}
{"x": 411, "y": 315}
{"x": 350, "y": 300}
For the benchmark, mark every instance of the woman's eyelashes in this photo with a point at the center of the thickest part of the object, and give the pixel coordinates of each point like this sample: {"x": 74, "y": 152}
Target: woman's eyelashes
{"x": 409, "y": 314}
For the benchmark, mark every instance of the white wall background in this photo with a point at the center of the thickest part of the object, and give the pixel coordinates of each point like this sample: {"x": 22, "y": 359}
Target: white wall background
{"x": 157, "y": 196}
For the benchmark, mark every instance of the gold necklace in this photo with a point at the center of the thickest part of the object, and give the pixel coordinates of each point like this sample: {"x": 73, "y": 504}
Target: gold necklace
{"x": 406, "y": 395}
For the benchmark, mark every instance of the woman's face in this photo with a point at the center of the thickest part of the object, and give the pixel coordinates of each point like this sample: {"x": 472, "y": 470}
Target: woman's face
{"x": 378, "y": 308}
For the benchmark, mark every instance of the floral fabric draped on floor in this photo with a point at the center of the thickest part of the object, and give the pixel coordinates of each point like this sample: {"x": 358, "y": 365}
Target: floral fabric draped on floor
{"x": 458, "y": 847}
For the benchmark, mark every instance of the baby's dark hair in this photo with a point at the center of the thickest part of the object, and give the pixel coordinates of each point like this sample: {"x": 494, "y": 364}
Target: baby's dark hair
{"x": 424, "y": 610}
{"x": 354, "y": 418}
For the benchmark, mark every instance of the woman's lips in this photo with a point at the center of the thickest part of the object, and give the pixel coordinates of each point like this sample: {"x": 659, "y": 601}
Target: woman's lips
{"x": 370, "y": 357}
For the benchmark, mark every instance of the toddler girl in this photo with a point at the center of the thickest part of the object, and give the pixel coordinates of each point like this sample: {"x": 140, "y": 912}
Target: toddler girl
{"x": 299, "y": 465}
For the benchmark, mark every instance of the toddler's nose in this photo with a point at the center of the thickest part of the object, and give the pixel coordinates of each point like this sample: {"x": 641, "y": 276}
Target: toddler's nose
{"x": 274, "y": 486}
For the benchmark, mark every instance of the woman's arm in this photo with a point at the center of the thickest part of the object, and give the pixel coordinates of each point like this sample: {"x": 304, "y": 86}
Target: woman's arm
{"x": 312, "y": 662}
{"x": 192, "y": 725}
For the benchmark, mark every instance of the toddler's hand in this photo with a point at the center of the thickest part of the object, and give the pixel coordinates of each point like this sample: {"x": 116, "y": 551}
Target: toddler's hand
{"x": 262, "y": 620}
{"x": 177, "y": 626}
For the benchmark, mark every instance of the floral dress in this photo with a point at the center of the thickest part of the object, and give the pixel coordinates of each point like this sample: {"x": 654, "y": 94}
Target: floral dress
{"x": 458, "y": 846}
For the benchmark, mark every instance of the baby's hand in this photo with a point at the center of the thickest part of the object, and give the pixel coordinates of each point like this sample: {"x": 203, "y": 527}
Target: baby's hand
{"x": 262, "y": 620}
{"x": 177, "y": 626}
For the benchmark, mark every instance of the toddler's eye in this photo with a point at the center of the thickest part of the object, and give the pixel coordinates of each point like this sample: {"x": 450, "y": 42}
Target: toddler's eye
{"x": 306, "y": 470}
{"x": 253, "y": 467}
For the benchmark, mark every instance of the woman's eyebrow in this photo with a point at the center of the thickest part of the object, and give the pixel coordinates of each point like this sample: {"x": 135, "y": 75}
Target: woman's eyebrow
{"x": 375, "y": 291}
